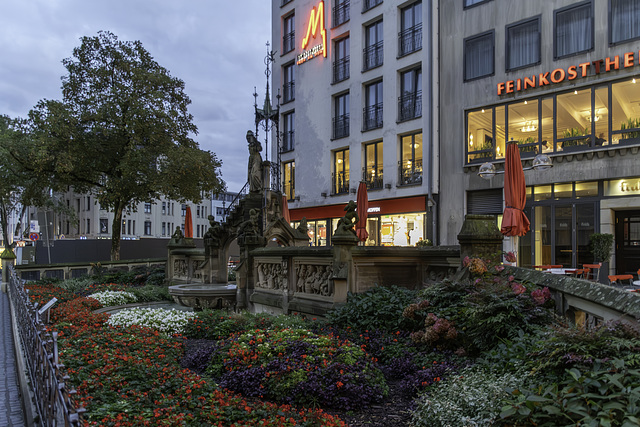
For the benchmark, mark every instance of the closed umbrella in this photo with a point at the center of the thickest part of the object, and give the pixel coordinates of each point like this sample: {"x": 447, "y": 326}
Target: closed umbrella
{"x": 514, "y": 221}
{"x": 285, "y": 209}
{"x": 362, "y": 201}
{"x": 188, "y": 224}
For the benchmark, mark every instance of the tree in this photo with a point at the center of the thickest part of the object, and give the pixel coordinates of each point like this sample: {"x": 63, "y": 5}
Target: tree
{"x": 122, "y": 131}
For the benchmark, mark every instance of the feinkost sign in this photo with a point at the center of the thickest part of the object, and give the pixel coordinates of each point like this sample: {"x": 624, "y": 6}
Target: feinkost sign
{"x": 560, "y": 74}
{"x": 316, "y": 22}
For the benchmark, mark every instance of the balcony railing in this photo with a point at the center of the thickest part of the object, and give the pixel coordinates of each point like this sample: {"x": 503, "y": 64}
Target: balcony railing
{"x": 340, "y": 13}
{"x": 372, "y": 117}
{"x": 410, "y": 40}
{"x": 288, "y": 141}
{"x": 410, "y": 106}
{"x": 341, "y": 126}
{"x": 373, "y": 56}
{"x": 341, "y": 69}
{"x": 340, "y": 183}
{"x": 288, "y": 42}
{"x": 373, "y": 178}
{"x": 288, "y": 92}
{"x": 368, "y": 4}
{"x": 410, "y": 173}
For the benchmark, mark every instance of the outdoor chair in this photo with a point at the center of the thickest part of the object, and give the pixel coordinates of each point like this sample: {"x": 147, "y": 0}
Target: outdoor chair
{"x": 593, "y": 272}
{"x": 619, "y": 278}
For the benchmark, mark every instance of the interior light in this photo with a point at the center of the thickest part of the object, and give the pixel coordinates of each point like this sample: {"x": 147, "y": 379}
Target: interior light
{"x": 633, "y": 81}
{"x": 575, "y": 92}
{"x": 525, "y": 102}
{"x": 483, "y": 108}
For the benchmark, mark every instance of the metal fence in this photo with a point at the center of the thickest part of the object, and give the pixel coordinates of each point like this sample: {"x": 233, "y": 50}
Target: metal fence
{"x": 52, "y": 397}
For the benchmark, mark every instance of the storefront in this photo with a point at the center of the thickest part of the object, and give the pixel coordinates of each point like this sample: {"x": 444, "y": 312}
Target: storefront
{"x": 390, "y": 222}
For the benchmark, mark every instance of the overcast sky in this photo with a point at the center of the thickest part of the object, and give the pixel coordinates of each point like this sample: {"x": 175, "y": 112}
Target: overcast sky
{"x": 216, "y": 47}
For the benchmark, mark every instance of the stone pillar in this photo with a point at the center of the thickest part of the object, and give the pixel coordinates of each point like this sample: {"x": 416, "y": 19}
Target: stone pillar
{"x": 342, "y": 265}
{"x": 245, "y": 274}
{"x": 8, "y": 258}
{"x": 480, "y": 237}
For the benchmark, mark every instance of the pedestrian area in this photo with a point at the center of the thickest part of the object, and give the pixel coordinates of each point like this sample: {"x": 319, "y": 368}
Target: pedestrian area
{"x": 11, "y": 414}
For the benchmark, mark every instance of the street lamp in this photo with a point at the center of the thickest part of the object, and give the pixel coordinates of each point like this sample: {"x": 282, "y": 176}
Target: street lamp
{"x": 540, "y": 162}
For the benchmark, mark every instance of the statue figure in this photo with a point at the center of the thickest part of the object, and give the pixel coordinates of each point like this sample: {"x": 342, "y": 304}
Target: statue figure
{"x": 255, "y": 163}
{"x": 251, "y": 227}
{"x": 302, "y": 227}
{"x": 214, "y": 232}
{"x": 348, "y": 221}
{"x": 177, "y": 237}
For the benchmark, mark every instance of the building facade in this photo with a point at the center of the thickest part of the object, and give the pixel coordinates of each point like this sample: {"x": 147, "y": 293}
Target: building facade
{"x": 557, "y": 77}
{"x": 357, "y": 103}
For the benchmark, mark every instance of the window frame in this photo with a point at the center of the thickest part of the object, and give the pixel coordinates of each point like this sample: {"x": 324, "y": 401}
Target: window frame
{"x": 341, "y": 101}
{"x": 288, "y": 38}
{"x": 565, "y": 9}
{"x": 288, "y": 82}
{"x": 377, "y": 182}
{"x": 413, "y": 30}
{"x": 414, "y": 97}
{"x": 291, "y": 195}
{"x": 341, "y": 61}
{"x": 610, "y": 30}
{"x": 490, "y": 33}
{"x": 345, "y": 172}
{"x": 507, "y": 39}
{"x": 288, "y": 131}
{"x": 466, "y": 6}
{"x": 377, "y": 107}
{"x": 376, "y": 49}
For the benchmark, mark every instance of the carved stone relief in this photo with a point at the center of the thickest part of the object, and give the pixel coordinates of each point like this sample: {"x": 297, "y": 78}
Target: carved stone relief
{"x": 314, "y": 279}
{"x": 180, "y": 267}
{"x": 271, "y": 276}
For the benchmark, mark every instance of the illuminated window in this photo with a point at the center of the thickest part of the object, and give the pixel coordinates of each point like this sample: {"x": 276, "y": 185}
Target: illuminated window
{"x": 373, "y": 175}
{"x": 289, "y": 180}
{"x": 411, "y": 164}
{"x": 288, "y": 137}
{"x": 372, "y": 114}
{"x": 410, "y": 101}
{"x": 523, "y": 44}
{"x": 479, "y": 56}
{"x": 480, "y": 135}
{"x": 573, "y": 124}
{"x": 341, "y": 116}
{"x": 410, "y": 36}
{"x": 625, "y": 20}
{"x": 288, "y": 33}
{"x": 373, "y": 54}
{"x": 341, "y": 63}
{"x": 625, "y": 121}
{"x": 289, "y": 86}
{"x": 341, "y": 171}
{"x": 573, "y": 29}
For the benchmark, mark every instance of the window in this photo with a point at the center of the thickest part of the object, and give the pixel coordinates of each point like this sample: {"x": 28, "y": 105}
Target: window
{"x": 289, "y": 180}
{"x": 573, "y": 29}
{"x": 373, "y": 54}
{"x": 468, "y": 3}
{"x": 289, "y": 87}
{"x": 147, "y": 228}
{"x": 288, "y": 137}
{"x": 625, "y": 20}
{"x": 198, "y": 212}
{"x": 411, "y": 164}
{"x": 341, "y": 171}
{"x": 410, "y": 36}
{"x": 341, "y": 64}
{"x": 184, "y": 210}
{"x": 368, "y": 4}
{"x": 147, "y": 208}
{"x": 164, "y": 228}
{"x": 104, "y": 226}
{"x": 88, "y": 230}
{"x": 288, "y": 33}
{"x": 410, "y": 101}
{"x": 88, "y": 203}
{"x": 164, "y": 208}
{"x": 372, "y": 115}
{"x": 523, "y": 44}
{"x": 341, "y": 116}
{"x": 340, "y": 12}
{"x": 479, "y": 56}
{"x": 373, "y": 165}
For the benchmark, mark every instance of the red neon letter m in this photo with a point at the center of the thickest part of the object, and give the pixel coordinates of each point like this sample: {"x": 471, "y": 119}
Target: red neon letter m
{"x": 316, "y": 20}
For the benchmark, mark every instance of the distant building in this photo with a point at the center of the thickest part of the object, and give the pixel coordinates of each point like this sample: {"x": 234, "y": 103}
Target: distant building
{"x": 220, "y": 204}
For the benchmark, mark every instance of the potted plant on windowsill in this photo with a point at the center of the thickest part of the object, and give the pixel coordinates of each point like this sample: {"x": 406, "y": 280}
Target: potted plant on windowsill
{"x": 528, "y": 147}
{"x": 632, "y": 137}
{"x": 576, "y": 143}
{"x": 601, "y": 248}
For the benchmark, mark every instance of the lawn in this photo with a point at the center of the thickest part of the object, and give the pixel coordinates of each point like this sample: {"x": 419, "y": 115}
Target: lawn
{"x": 480, "y": 350}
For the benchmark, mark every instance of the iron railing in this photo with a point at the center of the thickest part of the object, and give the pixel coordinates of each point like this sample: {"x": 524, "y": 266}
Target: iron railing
{"x": 410, "y": 40}
{"x": 341, "y": 126}
{"x": 373, "y": 56}
{"x": 236, "y": 200}
{"x": 410, "y": 106}
{"x": 410, "y": 173}
{"x": 368, "y": 4}
{"x": 340, "y": 183}
{"x": 374, "y": 178}
{"x": 288, "y": 42}
{"x": 340, "y": 13}
{"x": 51, "y": 396}
{"x": 288, "y": 92}
{"x": 372, "y": 117}
{"x": 341, "y": 69}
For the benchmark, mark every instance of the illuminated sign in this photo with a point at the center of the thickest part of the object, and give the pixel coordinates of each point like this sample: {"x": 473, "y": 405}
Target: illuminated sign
{"x": 622, "y": 187}
{"x": 316, "y": 21}
{"x": 374, "y": 209}
{"x": 573, "y": 72}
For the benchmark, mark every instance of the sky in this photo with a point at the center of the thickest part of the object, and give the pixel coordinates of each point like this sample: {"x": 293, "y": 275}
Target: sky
{"x": 214, "y": 46}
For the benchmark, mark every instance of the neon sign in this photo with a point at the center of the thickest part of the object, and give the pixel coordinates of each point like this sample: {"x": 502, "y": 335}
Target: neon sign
{"x": 316, "y": 20}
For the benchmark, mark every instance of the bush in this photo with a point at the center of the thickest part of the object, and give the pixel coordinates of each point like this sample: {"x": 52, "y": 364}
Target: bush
{"x": 150, "y": 293}
{"x": 217, "y": 324}
{"x": 380, "y": 307}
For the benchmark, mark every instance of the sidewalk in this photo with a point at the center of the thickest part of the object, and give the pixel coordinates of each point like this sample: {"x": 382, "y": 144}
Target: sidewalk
{"x": 11, "y": 414}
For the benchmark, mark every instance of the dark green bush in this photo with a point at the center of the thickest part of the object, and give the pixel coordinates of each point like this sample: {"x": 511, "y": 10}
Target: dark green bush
{"x": 219, "y": 324}
{"x": 149, "y": 293}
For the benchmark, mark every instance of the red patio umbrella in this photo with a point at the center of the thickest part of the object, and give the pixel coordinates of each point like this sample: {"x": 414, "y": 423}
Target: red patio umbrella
{"x": 188, "y": 224}
{"x": 362, "y": 200}
{"x": 285, "y": 209}
{"x": 514, "y": 221}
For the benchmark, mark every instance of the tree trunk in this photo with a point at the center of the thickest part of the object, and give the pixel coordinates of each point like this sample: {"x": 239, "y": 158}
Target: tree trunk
{"x": 18, "y": 231}
{"x": 116, "y": 231}
{"x": 4, "y": 223}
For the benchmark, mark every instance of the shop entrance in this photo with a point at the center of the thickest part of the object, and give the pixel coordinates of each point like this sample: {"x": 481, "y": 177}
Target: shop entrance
{"x": 627, "y": 243}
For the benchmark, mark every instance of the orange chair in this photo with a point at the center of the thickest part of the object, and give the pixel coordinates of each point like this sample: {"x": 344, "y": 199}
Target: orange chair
{"x": 618, "y": 278}
{"x": 594, "y": 271}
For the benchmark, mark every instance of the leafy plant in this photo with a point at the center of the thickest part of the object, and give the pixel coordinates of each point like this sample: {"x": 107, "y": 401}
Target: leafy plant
{"x": 601, "y": 246}
{"x": 631, "y": 123}
{"x": 424, "y": 243}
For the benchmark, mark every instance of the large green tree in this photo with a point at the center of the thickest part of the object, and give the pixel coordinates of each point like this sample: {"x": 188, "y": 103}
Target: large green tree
{"x": 122, "y": 131}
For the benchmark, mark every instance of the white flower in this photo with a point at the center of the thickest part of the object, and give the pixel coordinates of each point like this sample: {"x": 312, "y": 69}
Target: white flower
{"x": 111, "y": 298}
{"x": 167, "y": 321}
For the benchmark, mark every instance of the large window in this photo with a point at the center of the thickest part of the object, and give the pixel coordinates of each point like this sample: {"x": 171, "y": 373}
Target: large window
{"x": 289, "y": 180}
{"x": 288, "y": 131}
{"x": 147, "y": 228}
{"x": 372, "y": 114}
{"x": 410, "y": 100}
{"x": 368, "y": 4}
{"x": 573, "y": 29}
{"x": 373, "y": 53}
{"x": 341, "y": 116}
{"x": 410, "y": 36}
{"x": 147, "y": 208}
{"x": 340, "y": 13}
{"x": 288, "y": 33}
{"x": 289, "y": 86}
{"x": 341, "y": 171}
{"x": 410, "y": 168}
{"x": 373, "y": 175}
{"x": 341, "y": 63}
{"x": 625, "y": 20}
{"x": 468, "y": 3}
{"x": 523, "y": 44}
{"x": 479, "y": 56}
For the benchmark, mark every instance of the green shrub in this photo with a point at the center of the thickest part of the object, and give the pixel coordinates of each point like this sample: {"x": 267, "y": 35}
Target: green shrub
{"x": 76, "y": 285}
{"x": 149, "y": 293}
{"x": 219, "y": 324}
{"x": 380, "y": 307}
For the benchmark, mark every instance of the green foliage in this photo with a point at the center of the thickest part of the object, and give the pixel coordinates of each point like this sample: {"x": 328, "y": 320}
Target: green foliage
{"x": 219, "y": 324}
{"x": 601, "y": 246}
{"x": 149, "y": 293}
{"x": 424, "y": 243}
{"x": 77, "y": 285}
{"x": 631, "y": 123}
{"x": 380, "y": 307}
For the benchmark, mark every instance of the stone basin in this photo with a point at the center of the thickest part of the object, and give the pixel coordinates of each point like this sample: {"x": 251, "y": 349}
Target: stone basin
{"x": 204, "y": 296}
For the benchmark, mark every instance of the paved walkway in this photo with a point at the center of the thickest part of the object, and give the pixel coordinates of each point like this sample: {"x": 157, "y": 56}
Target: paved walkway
{"x": 11, "y": 414}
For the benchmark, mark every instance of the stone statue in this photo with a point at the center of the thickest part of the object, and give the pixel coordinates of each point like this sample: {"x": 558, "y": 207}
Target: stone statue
{"x": 214, "y": 232}
{"x": 251, "y": 227}
{"x": 348, "y": 221}
{"x": 302, "y": 227}
{"x": 177, "y": 237}
{"x": 255, "y": 163}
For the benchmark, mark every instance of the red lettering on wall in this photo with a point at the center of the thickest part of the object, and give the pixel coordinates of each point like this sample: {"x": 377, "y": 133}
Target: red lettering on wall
{"x": 572, "y": 73}
{"x": 628, "y": 59}
{"x": 500, "y": 88}
{"x": 510, "y": 86}
{"x": 583, "y": 68}
{"x": 557, "y": 75}
{"x": 518, "y": 82}
{"x": 608, "y": 63}
{"x": 542, "y": 79}
{"x": 597, "y": 64}
{"x": 529, "y": 82}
